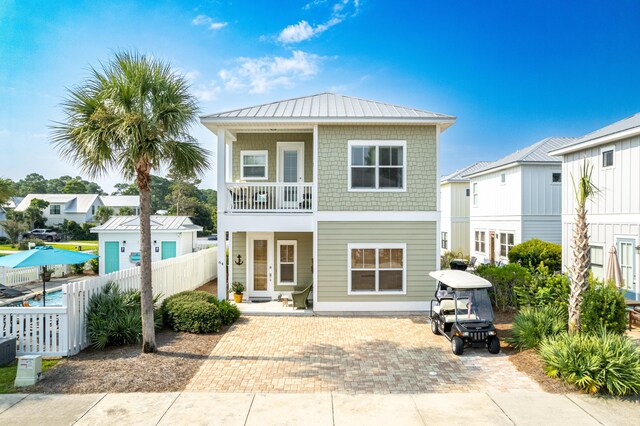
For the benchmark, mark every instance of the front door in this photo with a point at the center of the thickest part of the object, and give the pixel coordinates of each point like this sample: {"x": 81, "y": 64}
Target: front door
{"x": 111, "y": 256}
{"x": 626, "y": 257}
{"x": 492, "y": 247}
{"x": 260, "y": 266}
{"x": 290, "y": 170}
{"x": 168, "y": 249}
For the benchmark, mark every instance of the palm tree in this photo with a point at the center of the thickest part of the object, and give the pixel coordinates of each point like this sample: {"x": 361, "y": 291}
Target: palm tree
{"x": 584, "y": 189}
{"x": 133, "y": 116}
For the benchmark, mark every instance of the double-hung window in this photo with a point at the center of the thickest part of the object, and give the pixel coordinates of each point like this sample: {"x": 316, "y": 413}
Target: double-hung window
{"x": 254, "y": 165}
{"x": 377, "y": 268}
{"x": 377, "y": 165}
{"x": 54, "y": 209}
{"x": 475, "y": 193}
{"x": 445, "y": 242}
{"x": 479, "y": 239}
{"x": 506, "y": 242}
{"x": 607, "y": 156}
{"x": 287, "y": 269}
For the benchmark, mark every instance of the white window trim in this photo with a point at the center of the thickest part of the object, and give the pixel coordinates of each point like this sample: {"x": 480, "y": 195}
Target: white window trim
{"x": 59, "y": 209}
{"x": 474, "y": 194}
{"x": 293, "y": 243}
{"x": 378, "y": 144}
{"x": 402, "y": 246}
{"x": 556, "y": 183}
{"x": 266, "y": 164}
{"x": 603, "y": 266}
{"x": 503, "y": 182}
{"x": 483, "y": 241}
{"x": 602, "y": 151}
{"x": 444, "y": 238}
{"x": 506, "y": 256}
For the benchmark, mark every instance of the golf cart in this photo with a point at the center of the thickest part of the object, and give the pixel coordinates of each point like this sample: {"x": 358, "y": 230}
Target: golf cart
{"x": 462, "y": 312}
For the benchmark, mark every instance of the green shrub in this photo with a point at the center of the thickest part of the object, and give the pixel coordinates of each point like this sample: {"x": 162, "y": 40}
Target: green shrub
{"x": 603, "y": 306}
{"x": 194, "y": 312}
{"x": 504, "y": 280}
{"x": 113, "y": 317}
{"x": 533, "y": 324}
{"x": 78, "y": 269}
{"x": 595, "y": 362}
{"x": 95, "y": 266}
{"x": 532, "y": 253}
{"x": 542, "y": 288}
{"x": 229, "y": 313}
{"x": 24, "y": 244}
{"x": 448, "y": 256}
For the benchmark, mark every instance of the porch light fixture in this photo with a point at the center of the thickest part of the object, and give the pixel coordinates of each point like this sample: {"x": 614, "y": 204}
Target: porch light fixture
{"x": 239, "y": 260}
{"x": 638, "y": 248}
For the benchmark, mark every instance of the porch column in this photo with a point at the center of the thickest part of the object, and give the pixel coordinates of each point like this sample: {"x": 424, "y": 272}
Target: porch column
{"x": 221, "y": 229}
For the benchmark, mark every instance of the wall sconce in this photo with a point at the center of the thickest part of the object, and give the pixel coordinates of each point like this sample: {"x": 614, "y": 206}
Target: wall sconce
{"x": 121, "y": 249}
{"x": 239, "y": 260}
{"x": 157, "y": 249}
{"x": 638, "y": 248}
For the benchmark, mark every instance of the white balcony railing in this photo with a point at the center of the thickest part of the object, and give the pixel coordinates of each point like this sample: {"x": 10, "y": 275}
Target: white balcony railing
{"x": 270, "y": 197}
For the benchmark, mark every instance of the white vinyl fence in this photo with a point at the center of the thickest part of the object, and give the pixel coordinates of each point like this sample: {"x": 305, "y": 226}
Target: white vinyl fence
{"x": 62, "y": 331}
{"x": 10, "y": 277}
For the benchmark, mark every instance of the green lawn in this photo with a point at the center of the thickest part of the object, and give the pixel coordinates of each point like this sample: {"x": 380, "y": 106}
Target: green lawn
{"x": 8, "y": 247}
{"x": 8, "y": 374}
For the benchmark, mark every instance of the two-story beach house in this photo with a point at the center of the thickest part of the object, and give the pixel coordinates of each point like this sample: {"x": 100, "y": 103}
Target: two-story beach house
{"x": 455, "y": 194}
{"x": 79, "y": 208}
{"x": 613, "y": 213}
{"x": 515, "y": 199}
{"x": 116, "y": 202}
{"x": 334, "y": 191}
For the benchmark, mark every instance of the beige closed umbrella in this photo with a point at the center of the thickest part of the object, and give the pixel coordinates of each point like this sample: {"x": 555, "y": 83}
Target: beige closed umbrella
{"x": 614, "y": 273}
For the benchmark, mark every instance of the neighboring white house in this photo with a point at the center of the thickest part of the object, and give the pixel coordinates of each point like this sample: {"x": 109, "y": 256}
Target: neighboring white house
{"x": 3, "y": 216}
{"x": 79, "y": 208}
{"x": 454, "y": 210}
{"x": 613, "y": 213}
{"x": 515, "y": 199}
{"x": 116, "y": 202}
{"x": 119, "y": 240}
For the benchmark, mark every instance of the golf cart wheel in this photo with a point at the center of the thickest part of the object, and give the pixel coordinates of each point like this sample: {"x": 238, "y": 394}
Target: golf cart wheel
{"x": 494, "y": 345}
{"x": 457, "y": 346}
{"x": 434, "y": 327}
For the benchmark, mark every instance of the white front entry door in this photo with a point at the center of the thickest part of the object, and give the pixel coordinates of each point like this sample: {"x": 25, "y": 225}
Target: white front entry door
{"x": 290, "y": 170}
{"x": 260, "y": 264}
{"x": 626, "y": 256}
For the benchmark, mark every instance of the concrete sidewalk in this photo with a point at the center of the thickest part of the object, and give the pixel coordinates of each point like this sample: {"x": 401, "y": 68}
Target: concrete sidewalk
{"x": 520, "y": 408}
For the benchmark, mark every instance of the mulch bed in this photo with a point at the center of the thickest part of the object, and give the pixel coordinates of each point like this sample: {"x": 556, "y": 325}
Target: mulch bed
{"x": 527, "y": 362}
{"x": 126, "y": 369}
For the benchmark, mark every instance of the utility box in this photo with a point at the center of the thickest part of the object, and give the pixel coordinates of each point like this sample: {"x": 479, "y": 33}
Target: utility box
{"x": 7, "y": 350}
{"x": 29, "y": 370}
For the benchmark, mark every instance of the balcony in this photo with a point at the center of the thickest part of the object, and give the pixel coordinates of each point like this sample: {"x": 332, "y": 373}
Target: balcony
{"x": 269, "y": 197}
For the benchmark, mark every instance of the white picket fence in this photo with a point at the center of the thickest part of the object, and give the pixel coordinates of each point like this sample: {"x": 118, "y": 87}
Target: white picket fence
{"x": 62, "y": 331}
{"x": 11, "y": 277}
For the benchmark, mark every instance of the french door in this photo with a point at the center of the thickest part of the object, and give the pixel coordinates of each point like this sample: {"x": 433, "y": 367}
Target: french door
{"x": 290, "y": 170}
{"x": 626, "y": 256}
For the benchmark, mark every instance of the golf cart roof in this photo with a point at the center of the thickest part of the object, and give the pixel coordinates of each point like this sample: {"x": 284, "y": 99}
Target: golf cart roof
{"x": 460, "y": 279}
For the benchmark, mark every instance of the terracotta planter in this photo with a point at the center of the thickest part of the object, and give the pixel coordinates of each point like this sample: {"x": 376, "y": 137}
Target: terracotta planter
{"x": 237, "y": 297}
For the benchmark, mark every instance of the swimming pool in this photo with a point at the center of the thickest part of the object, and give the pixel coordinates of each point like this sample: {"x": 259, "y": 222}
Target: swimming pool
{"x": 54, "y": 298}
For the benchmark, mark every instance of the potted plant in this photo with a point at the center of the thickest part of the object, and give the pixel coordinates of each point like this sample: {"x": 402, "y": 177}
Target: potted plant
{"x": 237, "y": 287}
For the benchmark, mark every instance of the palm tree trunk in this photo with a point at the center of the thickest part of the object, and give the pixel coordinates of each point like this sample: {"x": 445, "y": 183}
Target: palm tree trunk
{"x": 146, "y": 287}
{"x": 581, "y": 264}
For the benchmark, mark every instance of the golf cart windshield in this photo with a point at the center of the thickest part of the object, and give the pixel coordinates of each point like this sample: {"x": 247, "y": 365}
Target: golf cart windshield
{"x": 473, "y": 306}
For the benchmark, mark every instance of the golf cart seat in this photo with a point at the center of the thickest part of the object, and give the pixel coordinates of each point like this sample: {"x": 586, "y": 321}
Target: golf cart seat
{"x": 447, "y": 308}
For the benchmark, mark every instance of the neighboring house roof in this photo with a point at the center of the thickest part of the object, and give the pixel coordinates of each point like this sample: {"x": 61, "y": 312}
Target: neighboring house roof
{"x": 457, "y": 176}
{"x": 74, "y": 203}
{"x": 12, "y": 202}
{"x": 158, "y": 223}
{"x": 120, "y": 200}
{"x": 533, "y": 154}
{"x": 327, "y": 107}
{"x": 624, "y": 128}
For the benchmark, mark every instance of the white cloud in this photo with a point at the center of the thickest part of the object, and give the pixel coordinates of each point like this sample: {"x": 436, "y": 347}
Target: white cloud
{"x": 206, "y": 92}
{"x": 209, "y": 22}
{"x": 260, "y": 75}
{"x": 301, "y": 31}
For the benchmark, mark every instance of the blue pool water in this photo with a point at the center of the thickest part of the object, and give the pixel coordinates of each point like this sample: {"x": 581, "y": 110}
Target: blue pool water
{"x": 53, "y": 299}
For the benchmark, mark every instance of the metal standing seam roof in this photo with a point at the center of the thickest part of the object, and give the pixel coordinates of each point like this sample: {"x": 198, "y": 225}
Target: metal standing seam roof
{"x": 617, "y": 127}
{"x": 158, "y": 223}
{"x": 121, "y": 200}
{"x": 457, "y": 176}
{"x": 75, "y": 203}
{"x": 536, "y": 153}
{"x": 325, "y": 106}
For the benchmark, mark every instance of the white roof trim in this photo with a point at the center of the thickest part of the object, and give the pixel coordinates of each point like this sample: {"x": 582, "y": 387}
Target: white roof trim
{"x": 460, "y": 279}
{"x": 597, "y": 141}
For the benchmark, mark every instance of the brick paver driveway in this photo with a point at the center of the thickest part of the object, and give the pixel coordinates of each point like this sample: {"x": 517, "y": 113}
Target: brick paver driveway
{"x": 348, "y": 354}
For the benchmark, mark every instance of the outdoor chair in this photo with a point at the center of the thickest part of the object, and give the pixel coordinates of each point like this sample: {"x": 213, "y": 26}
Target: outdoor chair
{"x": 299, "y": 297}
{"x": 305, "y": 204}
{"x": 238, "y": 199}
{"x": 261, "y": 200}
{"x": 472, "y": 262}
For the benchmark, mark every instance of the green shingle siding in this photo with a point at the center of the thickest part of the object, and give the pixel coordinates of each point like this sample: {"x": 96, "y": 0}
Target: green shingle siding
{"x": 333, "y": 238}
{"x": 421, "y": 185}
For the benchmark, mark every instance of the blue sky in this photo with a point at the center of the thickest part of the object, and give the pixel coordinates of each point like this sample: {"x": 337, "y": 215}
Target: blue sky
{"x": 513, "y": 72}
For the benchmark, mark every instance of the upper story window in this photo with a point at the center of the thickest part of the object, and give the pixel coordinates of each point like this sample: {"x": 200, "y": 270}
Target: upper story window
{"x": 467, "y": 192}
{"x": 556, "y": 177}
{"x": 54, "y": 209}
{"x": 506, "y": 242}
{"x": 377, "y": 268}
{"x": 475, "y": 193}
{"x": 254, "y": 165}
{"x": 503, "y": 177}
{"x": 93, "y": 209}
{"x": 607, "y": 156}
{"x": 377, "y": 165}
